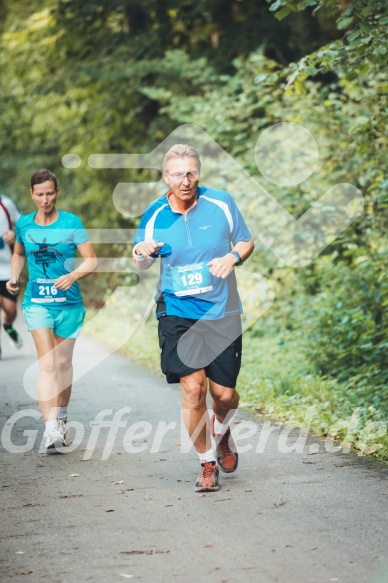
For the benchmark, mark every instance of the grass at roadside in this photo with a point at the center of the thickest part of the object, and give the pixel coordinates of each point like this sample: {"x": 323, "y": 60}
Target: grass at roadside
{"x": 276, "y": 380}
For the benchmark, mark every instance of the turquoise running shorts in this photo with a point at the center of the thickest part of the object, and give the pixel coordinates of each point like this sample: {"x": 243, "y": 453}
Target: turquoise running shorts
{"x": 66, "y": 323}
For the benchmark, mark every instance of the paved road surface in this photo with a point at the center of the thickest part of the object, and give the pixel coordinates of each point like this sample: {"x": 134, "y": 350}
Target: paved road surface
{"x": 106, "y": 516}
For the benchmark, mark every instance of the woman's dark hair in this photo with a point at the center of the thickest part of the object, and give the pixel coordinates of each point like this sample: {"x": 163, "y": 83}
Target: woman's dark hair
{"x": 41, "y": 176}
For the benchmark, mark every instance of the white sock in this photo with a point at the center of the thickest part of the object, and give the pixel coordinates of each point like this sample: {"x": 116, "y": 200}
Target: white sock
{"x": 219, "y": 428}
{"x": 51, "y": 424}
{"x": 62, "y": 412}
{"x": 207, "y": 456}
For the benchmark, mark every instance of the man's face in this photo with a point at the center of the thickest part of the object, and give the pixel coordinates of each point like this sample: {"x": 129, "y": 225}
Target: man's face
{"x": 44, "y": 196}
{"x": 182, "y": 175}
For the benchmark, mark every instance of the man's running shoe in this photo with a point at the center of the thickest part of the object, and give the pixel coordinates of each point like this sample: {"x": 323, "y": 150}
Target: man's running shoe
{"x": 226, "y": 452}
{"x": 64, "y": 431}
{"x": 14, "y": 336}
{"x": 208, "y": 478}
{"x": 53, "y": 438}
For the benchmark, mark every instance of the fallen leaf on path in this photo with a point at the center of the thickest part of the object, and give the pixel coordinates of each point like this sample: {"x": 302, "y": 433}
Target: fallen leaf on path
{"x": 109, "y": 510}
{"x": 119, "y": 482}
{"x": 247, "y": 490}
{"x": 222, "y": 499}
{"x": 23, "y": 572}
{"x": 147, "y": 498}
{"x": 73, "y": 475}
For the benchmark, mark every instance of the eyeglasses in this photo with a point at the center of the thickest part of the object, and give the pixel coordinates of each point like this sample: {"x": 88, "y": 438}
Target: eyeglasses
{"x": 178, "y": 177}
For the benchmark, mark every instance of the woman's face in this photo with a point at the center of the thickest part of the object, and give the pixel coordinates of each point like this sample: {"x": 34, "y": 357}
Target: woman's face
{"x": 44, "y": 196}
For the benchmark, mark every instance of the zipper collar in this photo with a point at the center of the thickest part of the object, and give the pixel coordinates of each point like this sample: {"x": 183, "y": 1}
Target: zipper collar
{"x": 176, "y": 210}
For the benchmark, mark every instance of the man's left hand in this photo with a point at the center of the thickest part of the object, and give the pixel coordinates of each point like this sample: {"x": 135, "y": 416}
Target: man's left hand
{"x": 222, "y": 266}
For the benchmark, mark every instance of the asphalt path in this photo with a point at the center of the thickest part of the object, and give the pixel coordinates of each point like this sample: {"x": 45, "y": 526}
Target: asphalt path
{"x": 120, "y": 504}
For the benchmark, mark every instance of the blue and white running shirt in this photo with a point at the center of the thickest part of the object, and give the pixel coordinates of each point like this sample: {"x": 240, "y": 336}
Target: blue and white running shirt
{"x": 186, "y": 287}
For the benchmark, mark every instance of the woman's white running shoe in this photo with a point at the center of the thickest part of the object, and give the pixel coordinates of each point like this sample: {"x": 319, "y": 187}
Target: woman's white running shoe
{"x": 53, "y": 438}
{"x": 64, "y": 431}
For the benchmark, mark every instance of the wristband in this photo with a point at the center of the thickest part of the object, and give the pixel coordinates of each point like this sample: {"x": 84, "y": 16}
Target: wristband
{"x": 137, "y": 257}
{"x": 237, "y": 256}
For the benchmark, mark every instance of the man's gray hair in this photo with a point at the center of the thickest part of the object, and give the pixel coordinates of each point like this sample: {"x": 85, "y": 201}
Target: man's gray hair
{"x": 180, "y": 151}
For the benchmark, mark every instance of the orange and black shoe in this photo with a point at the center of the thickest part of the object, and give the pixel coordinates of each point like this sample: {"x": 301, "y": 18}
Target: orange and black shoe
{"x": 226, "y": 452}
{"x": 208, "y": 478}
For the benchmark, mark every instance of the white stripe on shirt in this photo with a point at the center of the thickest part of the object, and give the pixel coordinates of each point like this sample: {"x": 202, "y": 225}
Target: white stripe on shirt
{"x": 224, "y": 207}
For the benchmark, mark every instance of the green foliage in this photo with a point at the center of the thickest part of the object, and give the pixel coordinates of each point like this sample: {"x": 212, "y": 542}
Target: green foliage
{"x": 348, "y": 336}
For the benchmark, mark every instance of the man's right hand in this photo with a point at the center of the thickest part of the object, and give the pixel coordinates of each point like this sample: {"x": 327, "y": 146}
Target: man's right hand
{"x": 12, "y": 286}
{"x": 146, "y": 249}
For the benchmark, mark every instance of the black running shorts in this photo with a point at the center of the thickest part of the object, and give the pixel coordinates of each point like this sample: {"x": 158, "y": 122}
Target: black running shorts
{"x": 5, "y": 293}
{"x": 188, "y": 345}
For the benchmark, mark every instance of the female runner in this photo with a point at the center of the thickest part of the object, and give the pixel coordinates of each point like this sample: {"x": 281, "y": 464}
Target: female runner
{"x": 52, "y": 307}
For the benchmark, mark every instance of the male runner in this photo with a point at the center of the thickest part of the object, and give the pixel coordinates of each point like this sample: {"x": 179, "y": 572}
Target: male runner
{"x": 200, "y": 236}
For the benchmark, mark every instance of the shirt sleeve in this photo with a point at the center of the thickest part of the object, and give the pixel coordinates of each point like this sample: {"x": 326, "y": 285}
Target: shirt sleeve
{"x": 140, "y": 233}
{"x": 147, "y": 218}
{"x": 240, "y": 231}
{"x": 18, "y": 231}
{"x": 79, "y": 233}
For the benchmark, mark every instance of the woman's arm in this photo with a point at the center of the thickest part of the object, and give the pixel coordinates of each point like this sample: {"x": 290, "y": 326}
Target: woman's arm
{"x": 85, "y": 268}
{"x": 17, "y": 265}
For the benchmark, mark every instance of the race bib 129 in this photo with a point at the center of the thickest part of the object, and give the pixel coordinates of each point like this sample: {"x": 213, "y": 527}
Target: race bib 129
{"x": 189, "y": 280}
